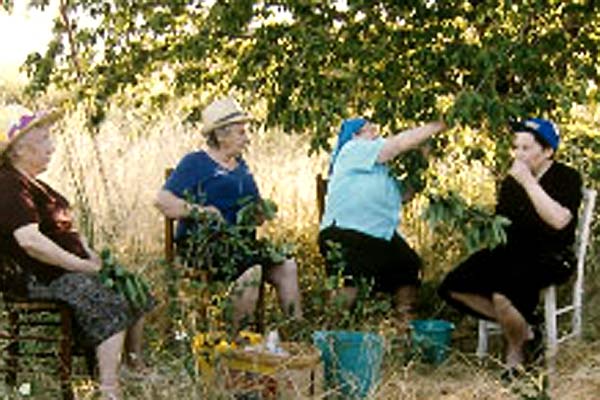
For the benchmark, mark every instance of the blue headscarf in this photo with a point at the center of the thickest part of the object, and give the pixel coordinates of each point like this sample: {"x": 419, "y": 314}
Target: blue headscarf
{"x": 347, "y": 131}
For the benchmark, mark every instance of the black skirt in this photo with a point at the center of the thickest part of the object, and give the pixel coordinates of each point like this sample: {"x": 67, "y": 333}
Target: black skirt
{"x": 389, "y": 264}
{"x": 517, "y": 273}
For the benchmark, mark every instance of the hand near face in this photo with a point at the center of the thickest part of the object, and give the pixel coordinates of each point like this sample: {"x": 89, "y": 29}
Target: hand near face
{"x": 521, "y": 172}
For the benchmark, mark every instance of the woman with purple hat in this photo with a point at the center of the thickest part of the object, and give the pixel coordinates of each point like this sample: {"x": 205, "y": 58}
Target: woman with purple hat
{"x": 541, "y": 198}
{"x": 213, "y": 182}
{"x": 362, "y": 213}
{"x": 38, "y": 235}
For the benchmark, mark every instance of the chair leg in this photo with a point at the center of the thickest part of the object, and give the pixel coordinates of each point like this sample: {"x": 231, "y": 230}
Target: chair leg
{"x": 551, "y": 325}
{"x": 260, "y": 308}
{"x": 65, "y": 353}
{"x": 12, "y": 361}
{"x": 482, "y": 339}
{"x": 89, "y": 353}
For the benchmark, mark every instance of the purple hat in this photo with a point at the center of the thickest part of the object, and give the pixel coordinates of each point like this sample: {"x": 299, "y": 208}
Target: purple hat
{"x": 25, "y": 123}
{"x": 542, "y": 128}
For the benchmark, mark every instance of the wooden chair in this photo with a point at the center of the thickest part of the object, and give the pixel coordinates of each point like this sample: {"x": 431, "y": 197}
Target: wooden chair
{"x": 321, "y": 193}
{"x": 551, "y": 308}
{"x": 34, "y": 327}
{"x": 170, "y": 257}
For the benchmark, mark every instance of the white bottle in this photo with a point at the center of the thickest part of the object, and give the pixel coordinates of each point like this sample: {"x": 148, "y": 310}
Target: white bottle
{"x": 273, "y": 343}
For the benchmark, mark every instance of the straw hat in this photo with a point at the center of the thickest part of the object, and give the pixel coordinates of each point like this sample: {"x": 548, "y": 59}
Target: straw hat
{"x": 223, "y": 112}
{"x": 16, "y": 121}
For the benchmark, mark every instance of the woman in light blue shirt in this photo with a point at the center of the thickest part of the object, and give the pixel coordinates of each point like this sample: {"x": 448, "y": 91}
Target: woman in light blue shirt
{"x": 362, "y": 213}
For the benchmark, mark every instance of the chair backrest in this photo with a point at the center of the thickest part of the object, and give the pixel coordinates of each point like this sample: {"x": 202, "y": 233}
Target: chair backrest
{"x": 321, "y": 193}
{"x": 169, "y": 230}
{"x": 584, "y": 225}
{"x": 581, "y": 243}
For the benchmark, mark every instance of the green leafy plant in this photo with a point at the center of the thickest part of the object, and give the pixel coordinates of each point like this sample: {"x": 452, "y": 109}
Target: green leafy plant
{"x": 129, "y": 284}
{"x": 213, "y": 244}
{"x": 335, "y": 313}
{"x": 478, "y": 227}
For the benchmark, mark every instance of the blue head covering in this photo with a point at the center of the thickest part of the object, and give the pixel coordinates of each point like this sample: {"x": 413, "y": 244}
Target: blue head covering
{"x": 542, "y": 128}
{"x": 348, "y": 129}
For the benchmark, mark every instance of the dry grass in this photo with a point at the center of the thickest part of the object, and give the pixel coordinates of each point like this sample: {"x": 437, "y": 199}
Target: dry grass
{"x": 112, "y": 179}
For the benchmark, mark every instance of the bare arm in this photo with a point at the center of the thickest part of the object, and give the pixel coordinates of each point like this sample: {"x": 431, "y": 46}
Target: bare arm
{"x": 407, "y": 140}
{"x": 93, "y": 255}
{"x": 175, "y": 207}
{"x": 550, "y": 210}
{"x": 40, "y": 247}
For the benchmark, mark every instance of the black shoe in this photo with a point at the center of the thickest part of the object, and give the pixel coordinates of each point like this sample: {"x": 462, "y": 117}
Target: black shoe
{"x": 512, "y": 374}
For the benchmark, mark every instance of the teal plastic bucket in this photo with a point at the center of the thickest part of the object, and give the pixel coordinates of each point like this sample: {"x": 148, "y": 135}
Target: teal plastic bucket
{"x": 431, "y": 339}
{"x": 351, "y": 361}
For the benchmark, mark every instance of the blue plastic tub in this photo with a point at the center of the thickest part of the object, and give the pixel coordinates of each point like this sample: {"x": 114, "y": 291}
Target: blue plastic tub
{"x": 351, "y": 361}
{"x": 431, "y": 339}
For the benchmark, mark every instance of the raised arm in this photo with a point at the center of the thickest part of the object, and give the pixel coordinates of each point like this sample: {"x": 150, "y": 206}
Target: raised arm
{"x": 408, "y": 139}
{"x": 40, "y": 247}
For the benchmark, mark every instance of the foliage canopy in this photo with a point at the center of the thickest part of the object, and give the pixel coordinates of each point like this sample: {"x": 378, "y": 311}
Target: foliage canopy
{"x": 313, "y": 62}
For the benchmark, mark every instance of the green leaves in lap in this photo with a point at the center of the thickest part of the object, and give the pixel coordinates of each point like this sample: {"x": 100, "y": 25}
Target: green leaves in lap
{"x": 217, "y": 246}
{"x": 131, "y": 285}
{"x": 254, "y": 213}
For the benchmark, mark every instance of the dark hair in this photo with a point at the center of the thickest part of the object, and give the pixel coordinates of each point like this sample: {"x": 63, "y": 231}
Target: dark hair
{"x": 517, "y": 126}
{"x": 4, "y": 160}
{"x": 212, "y": 136}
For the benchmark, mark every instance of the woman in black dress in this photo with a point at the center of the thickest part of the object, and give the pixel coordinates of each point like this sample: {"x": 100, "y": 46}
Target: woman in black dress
{"x": 540, "y": 197}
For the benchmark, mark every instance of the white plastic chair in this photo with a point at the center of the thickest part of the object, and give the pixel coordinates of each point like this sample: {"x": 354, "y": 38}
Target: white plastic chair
{"x": 552, "y": 310}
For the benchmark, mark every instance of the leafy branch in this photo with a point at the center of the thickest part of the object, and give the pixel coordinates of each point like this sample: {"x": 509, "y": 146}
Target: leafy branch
{"x": 214, "y": 245}
{"x": 478, "y": 227}
{"x": 129, "y": 284}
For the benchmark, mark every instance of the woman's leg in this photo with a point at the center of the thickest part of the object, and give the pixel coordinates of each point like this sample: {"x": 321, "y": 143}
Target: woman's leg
{"x": 405, "y": 302}
{"x": 109, "y": 357}
{"x": 514, "y": 327}
{"x": 134, "y": 345}
{"x": 476, "y": 302}
{"x": 344, "y": 297}
{"x": 244, "y": 295}
{"x": 285, "y": 279}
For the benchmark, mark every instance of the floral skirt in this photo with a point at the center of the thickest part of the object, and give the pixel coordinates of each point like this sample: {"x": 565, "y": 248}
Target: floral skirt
{"x": 98, "y": 312}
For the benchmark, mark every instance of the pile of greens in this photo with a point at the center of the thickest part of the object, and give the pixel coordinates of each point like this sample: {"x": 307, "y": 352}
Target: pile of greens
{"x": 131, "y": 285}
{"x": 214, "y": 245}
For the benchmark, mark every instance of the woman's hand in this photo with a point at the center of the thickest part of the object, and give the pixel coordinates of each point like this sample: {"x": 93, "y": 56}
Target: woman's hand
{"x": 521, "y": 172}
{"x": 91, "y": 265}
{"x": 211, "y": 209}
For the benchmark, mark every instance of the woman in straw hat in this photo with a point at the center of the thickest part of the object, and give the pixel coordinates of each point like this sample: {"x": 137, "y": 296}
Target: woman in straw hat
{"x": 213, "y": 181}
{"x": 37, "y": 234}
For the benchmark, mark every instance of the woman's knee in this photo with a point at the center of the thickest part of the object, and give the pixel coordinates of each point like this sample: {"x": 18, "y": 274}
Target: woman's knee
{"x": 287, "y": 272}
{"x": 252, "y": 275}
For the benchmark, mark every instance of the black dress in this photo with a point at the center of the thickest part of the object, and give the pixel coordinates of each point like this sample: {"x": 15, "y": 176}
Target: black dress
{"x": 534, "y": 253}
